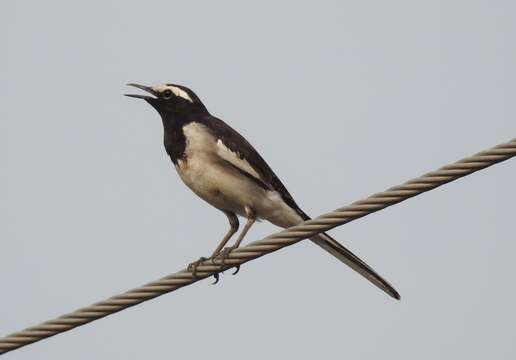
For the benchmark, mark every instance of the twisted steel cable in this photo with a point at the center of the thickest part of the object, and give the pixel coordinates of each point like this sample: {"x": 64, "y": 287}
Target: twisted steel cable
{"x": 262, "y": 247}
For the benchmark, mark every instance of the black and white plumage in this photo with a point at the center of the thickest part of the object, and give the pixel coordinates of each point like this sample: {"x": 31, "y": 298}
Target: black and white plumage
{"x": 223, "y": 168}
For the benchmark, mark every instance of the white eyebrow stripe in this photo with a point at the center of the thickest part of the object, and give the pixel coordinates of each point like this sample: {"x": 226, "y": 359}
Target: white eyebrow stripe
{"x": 177, "y": 91}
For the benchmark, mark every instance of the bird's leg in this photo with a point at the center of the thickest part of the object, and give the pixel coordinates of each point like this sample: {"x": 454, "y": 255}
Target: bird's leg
{"x": 233, "y": 222}
{"x": 251, "y": 218}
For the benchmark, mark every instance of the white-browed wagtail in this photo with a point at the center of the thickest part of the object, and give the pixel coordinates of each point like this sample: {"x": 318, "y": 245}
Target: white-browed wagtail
{"x": 224, "y": 169}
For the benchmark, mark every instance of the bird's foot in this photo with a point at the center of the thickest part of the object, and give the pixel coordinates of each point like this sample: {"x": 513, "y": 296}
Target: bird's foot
{"x": 193, "y": 266}
{"x": 224, "y": 253}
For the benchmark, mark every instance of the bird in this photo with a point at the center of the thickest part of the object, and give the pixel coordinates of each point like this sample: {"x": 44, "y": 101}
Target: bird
{"x": 224, "y": 169}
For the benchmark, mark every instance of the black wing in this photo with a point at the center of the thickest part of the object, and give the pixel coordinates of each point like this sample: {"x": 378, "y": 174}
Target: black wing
{"x": 245, "y": 151}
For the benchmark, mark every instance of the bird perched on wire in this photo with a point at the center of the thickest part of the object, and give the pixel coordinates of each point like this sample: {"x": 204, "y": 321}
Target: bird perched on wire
{"x": 224, "y": 169}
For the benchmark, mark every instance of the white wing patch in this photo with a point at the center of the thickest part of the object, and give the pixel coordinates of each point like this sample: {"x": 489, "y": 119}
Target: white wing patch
{"x": 175, "y": 90}
{"x": 224, "y": 152}
{"x": 199, "y": 140}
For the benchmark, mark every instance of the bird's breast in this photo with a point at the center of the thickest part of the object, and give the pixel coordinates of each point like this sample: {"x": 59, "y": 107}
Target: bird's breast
{"x": 217, "y": 175}
{"x": 207, "y": 178}
{"x": 201, "y": 170}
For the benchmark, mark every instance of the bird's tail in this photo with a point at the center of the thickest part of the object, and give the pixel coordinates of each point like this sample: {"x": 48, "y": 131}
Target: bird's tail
{"x": 347, "y": 257}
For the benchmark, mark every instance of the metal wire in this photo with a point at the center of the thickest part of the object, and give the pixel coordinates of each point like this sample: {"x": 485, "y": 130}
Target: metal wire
{"x": 259, "y": 248}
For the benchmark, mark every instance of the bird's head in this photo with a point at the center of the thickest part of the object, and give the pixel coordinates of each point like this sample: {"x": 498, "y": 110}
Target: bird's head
{"x": 170, "y": 99}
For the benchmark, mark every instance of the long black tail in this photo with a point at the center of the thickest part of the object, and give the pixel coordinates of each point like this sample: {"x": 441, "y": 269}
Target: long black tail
{"x": 347, "y": 257}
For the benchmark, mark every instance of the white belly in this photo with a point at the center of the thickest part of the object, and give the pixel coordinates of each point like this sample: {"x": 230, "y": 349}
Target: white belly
{"x": 220, "y": 184}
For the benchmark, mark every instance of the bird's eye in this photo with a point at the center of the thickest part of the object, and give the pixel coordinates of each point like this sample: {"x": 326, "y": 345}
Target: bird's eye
{"x": 167, "y": 94}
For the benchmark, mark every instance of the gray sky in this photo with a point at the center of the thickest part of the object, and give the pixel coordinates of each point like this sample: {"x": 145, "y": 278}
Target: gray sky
{"x": 343, "y": 99}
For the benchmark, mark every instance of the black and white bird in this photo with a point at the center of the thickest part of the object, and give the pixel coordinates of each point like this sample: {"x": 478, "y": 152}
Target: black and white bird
{"x": 224, "y": 169}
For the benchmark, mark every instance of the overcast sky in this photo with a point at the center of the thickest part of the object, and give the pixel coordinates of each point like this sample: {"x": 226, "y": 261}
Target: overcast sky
{"x": 342, "y": 98}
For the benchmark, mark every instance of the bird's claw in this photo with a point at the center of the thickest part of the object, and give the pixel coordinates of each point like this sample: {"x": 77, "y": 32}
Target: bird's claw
{"x": 216, "y": 277}
{"x": 237, "y": 269}
{"x": 224, "y": 255}
{"x": 193, "y": 268}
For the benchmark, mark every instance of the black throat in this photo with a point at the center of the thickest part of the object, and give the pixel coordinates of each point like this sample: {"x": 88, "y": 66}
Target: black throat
{"x": 173, "y": 137}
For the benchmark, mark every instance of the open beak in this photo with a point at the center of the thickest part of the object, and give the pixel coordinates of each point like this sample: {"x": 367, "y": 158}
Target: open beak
{"x": 144, "y": 88}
